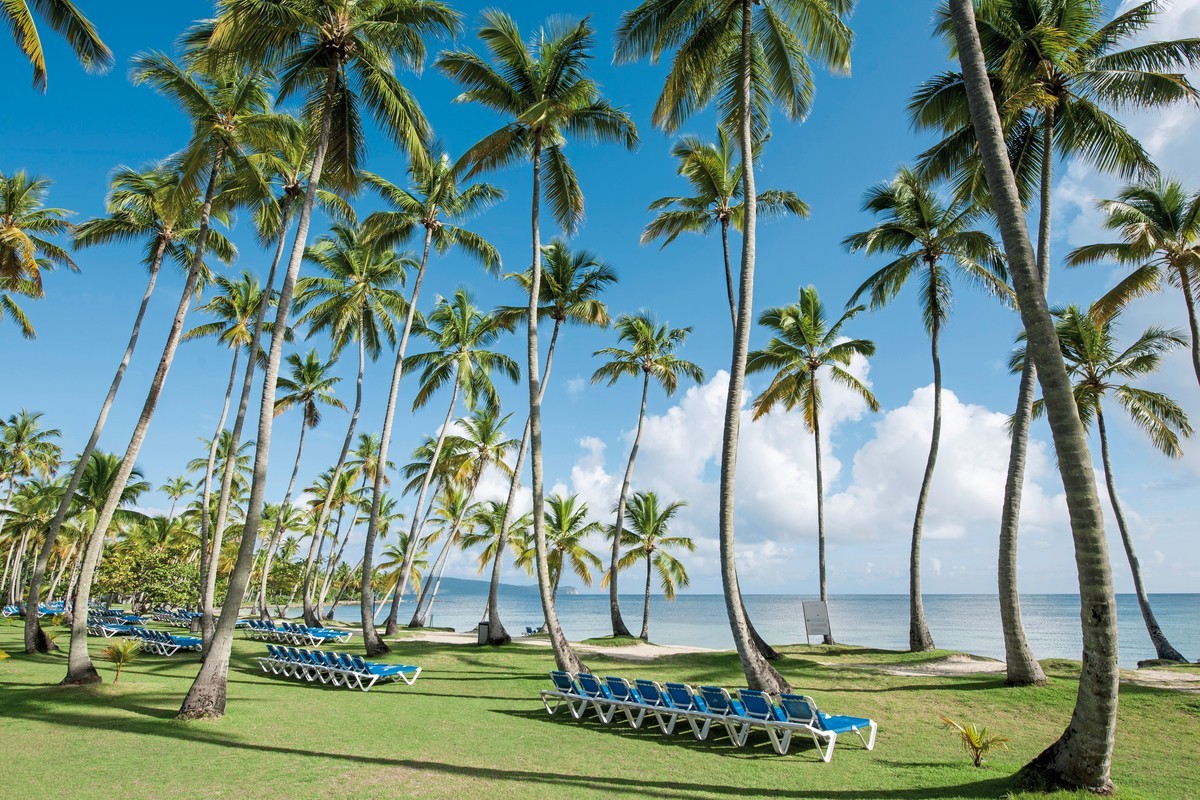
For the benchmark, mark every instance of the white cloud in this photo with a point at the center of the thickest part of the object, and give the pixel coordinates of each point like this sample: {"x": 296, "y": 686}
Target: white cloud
{"x": 576, "y": 385}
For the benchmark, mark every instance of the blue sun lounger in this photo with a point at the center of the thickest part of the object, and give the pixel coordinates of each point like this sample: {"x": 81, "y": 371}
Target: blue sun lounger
{"x": 337, "y": 669}
{"x": 163, "y": 643}
{"x": 565, "y": 693}
{"x": 824, "y": 728}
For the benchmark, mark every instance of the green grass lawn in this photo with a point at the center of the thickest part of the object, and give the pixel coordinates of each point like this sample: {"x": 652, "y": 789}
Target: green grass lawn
{"x": 473, "y": 726}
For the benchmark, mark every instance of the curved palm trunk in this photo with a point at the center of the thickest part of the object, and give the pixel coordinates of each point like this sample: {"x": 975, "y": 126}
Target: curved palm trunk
{"x": 1022, "y": 668}
{"x": 422, "y": 610}
{"x": 1082, "y": 756}
{"x": 645, "y": 635}
{"x": 1162, "y": 647}
{"x": 79, "y": 663}
{"x": 235, "y": 437}
{"x": 820, "y": 516}
{"x": 614, "y": 603}
{"x": 312, "y": 614}
{"x": 339, "y": 541}
{"x": 497, "y": 635}
{"x": 337, "y": 598}
{"x": 392, "y": 626}
{"x": 1185, "y": 282}
{"x": 728, "y": 272}
{"x": 564, "y": 654}
{"x": 759, "y": 672}
{"x": 278, "y": 532}
{"x": 210, "y": 574}
{"x": 371, "y": 640}
{"x": 207, "y": 696}
{"x": 62, "y": 570}
{"x": 919, "y": 638}
{"x": 36, "y": 640}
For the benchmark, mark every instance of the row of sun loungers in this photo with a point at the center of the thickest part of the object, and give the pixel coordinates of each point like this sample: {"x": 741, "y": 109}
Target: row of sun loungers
{"x": 179, "y": 617}
{"x": 339, "y": 669}
{"x": 705, "y": 709}
{"x": 98, "y": 625}
{"x": 44, "y": 610}
{"x": 292, "y": 633}
{"x": 163, "y": 643}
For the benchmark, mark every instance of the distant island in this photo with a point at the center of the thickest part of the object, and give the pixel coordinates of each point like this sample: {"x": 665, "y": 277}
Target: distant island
{"x": 471, "y": 588}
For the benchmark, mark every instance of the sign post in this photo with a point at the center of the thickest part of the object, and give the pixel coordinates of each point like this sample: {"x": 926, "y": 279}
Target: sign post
{"x": 816, "y": 619}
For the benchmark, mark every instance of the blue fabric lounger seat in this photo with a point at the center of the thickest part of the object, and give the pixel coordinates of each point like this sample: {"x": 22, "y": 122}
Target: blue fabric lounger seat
{"x": 292, "y": 633}
{"x": 337, "y": 669}
{"x": 96, "y": 626}
{"x": 565, "y": 693}
{"x": 163, "y": 643}
{"x": 825, "y": 728}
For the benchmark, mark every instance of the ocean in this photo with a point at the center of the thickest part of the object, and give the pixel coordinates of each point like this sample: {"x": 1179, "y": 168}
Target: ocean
{"x": 969, "y": 623}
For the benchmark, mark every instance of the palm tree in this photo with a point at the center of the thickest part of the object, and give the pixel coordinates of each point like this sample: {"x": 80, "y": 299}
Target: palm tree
{"x": 571, "y": 284}
{"x": 1060, "y": 71}
{"x": 150, "y": 206}
{"x": 1082, "y": 756}
{"x": 1159, "y": 226}
{"x": 650, "y": 353}
{"x": 924, "y": 232}
{"x": 26, "y": 449}
{"x": 567, "y": 527}
{"x": 67, "y": 21}
{"x": 341, "y": 57}
{"x": 460, "y": 334}
{"x": 647, "y": 539}
{"x": 25, "y": 252}
{"x": 543, "y": 90}
{"x": 714, "y": 173}
{"x": 357, "y": 300}
{"x": 749, "y": 55}
{"x": 436, "y": 204}
{"x": 1090, "y": 351}
{"x": 226, "y": 108}
{"x": 285, "y": 519}
{"x": 803, "y": 345}
{"x": 176, "y": 489}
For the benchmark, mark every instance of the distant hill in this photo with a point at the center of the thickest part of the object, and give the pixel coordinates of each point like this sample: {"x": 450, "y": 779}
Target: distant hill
{"x": 471, "y": 588}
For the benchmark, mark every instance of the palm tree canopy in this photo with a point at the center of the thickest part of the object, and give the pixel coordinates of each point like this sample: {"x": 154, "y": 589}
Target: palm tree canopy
{"x": 803, "y": 342}
{"x": 924, "y": 231}
{"x": 234, "y": 307}
{"x": 64, "y": 19}
{"x": 647, "y": 536}
{"x": 1099, "y": 368}
{"x": 571, "y": 283}
{"x": 566, "y": 528}
{"x": 308, "y": 386}
{"x": 542, "y": 86}
{"x": 26, "y": 448}
{"x": 25, "y": 225}
{"x": 650, "y": 350}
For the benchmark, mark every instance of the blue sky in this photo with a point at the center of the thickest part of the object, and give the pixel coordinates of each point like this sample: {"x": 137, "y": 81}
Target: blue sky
{"x": 857, "y": 135}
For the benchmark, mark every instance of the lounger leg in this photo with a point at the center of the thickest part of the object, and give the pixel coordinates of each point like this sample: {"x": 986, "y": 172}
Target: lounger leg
{"x": 826, "y": 753}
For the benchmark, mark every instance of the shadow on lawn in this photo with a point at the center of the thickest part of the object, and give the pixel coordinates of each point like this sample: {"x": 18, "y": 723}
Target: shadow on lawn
{"x": 156, "y": 722}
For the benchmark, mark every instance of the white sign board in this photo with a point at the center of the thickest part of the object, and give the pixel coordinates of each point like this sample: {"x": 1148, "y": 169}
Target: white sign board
{"x": 816, "y": 619}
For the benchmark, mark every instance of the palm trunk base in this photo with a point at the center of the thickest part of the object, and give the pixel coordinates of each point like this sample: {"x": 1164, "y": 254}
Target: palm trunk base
{"x": 760, "y": 644}
{"x": 919, "y": 639}
{"x": 391, "y": 628}
{"x": 42, "y": 643}
{"x": 618, "y": 626}
{"x": 1166, "y": 652}
{"x": 828, "y": 639}
{"x": 204, "y": 702}
{"x": 1057, "y": 768}
{"x": 375, "y": 646}
{"x": 82, "y": 676}
{"x": 499, "y": 639}
{"x": 1034, "y": 677}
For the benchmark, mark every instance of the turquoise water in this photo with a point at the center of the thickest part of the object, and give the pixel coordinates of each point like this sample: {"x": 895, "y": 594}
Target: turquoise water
{"x": 970, "y": 623}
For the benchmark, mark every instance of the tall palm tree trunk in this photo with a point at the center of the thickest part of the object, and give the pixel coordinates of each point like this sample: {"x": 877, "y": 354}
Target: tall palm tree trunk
{"x": 759, "y": 672}
{"x": 1162, "y": 647}
{"x": 645, "y": 635}
{"x": 312, "y": 614}
{"x": 371, "y": 640}
{"x": 392, "y": 627}
{"x": 207, "y": 696}
{"x": 62, "y": 570}
{"x": 1082, "y": 756}
{"x": 497, "y": 635}
{"x": 614, "y": 603}
{"x": 820, "y": 515}
{"x": 422, "y": 609}
{"x": 564, "y": 654}
{"x": 235, "y": 437}
{"x": 919, "y": 639}
{"x": 36, "y": 640}
{"x": 1021, "y": 666}
{"x": 207, "y": 589}
{"x": 1185, "y": 282}
{"x": 79, "y": 663}
{"x": 728, "y": 272}
{"x": 339, "y": 542}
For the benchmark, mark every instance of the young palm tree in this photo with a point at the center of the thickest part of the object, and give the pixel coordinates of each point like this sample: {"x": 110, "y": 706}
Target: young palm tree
{"x": 802, "y": 346}
{"x": 749, "y": 55}
{"x": 490, "y": 526}
{"x": 342, "y": 57}
{"x": 1082, "y": 756}
{"x": 714, "y": 172}
{"x": 567, "y": 527}
{"x": 67, "y": 21}
{"x": 924, "y": 233}
{"x": 26, "y": 449}
{"x": 571, "y": 284}
{"x": 176, "y": 489}
{"x": 648, "y": 540}
{"x": 357, "y": 300}
{"x": 1090, "y": 351}
{"x": 25, "y": 252}
{"x": 650, "y": 353}
{"x": 1060, "y": 70}
{"x": 461, "y": 334}
{"x": 436, "y": 204}
{"x": 1159, "y": 226}
{"x": 543, "y": 89}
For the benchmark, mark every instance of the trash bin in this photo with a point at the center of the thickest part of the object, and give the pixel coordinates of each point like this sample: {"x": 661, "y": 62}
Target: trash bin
{"x": 483, "y": 631}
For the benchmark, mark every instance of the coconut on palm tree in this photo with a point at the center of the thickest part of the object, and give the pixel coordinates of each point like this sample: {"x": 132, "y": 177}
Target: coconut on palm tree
{"x": 934, "y": 239}
{"x": 648, "y": 539}
{"x": 543, "y": 89}
{"x": 748, "y": 56}
{"x": 1082, "y": 756}
{"x": 572, "y": 281}
{"x": 1102, "y": 371}
{"x": 803, "y": 347}
{"x": 649, "y": 353}
{"x": 21, "y": 18}
{"x": 714, "y": 172}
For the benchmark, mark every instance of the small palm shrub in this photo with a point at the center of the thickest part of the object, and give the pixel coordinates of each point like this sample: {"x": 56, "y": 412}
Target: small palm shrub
{"x": 976, "y": 742}
{"x": 120, "y": 653}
